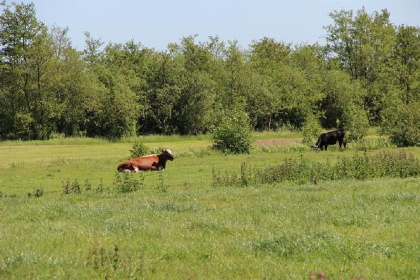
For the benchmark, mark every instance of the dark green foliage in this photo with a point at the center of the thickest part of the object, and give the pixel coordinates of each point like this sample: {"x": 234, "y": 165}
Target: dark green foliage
{"x": 402, "y": 124}
{"x": 233, "y": 134}
{"x": 382, "y": 57}
{"x": 302, "y": 171}
{"x": 368, "y": 68}
{"x": 311, "y": 130}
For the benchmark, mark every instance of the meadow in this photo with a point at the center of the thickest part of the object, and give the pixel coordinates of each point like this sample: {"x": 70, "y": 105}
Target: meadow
{"x": 67, "y": 214}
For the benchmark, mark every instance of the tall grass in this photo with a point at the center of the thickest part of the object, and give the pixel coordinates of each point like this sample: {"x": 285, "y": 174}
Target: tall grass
{"x": 182, "y": 224}
{"x": 301, "y": 170}
{"x": 372, "y": 143}
{"x": 364, "y": 230}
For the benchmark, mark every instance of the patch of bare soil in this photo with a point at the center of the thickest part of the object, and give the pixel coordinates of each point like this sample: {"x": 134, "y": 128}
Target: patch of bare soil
{"x": 276, "y": 142}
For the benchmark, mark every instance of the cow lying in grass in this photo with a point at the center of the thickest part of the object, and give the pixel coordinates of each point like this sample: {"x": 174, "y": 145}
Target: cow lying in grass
{"x": 146, "y": 163}
{"x": 331, "y": 138}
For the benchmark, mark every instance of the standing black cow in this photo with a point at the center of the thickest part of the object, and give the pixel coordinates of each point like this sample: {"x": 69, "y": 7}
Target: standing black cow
{"x": 331, "y": 138}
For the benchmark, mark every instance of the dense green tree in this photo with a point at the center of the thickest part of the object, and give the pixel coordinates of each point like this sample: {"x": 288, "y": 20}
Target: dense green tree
{"x": 269, "y": 61}
{"x": 18, "y": 30}
{"x": 164, "y": 82}
{"x": 401, "y": 118}
{"x": 197, "y": 97}
{"x": 118, "y": 105}
{"x": 78, "y": 91}
{"x": 119, "y": 109}
{"x": 407, "y": 52}
{"x": 92, "y": 51}
{"x": 284, "y": 93}
{"x": 363, "y": 45}
{"x": 236, "y": 77}
{"x": 343, "y": 104}
{"x": 27, "y": 57}
{"x": 401, "y": 123}
{"x": 369, "y": 70}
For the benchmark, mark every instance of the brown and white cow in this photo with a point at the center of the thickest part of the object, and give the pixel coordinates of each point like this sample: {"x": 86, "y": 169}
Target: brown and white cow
{"x": 146, "y": 163}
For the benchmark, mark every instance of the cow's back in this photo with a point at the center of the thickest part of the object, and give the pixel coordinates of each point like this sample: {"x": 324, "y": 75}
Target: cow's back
{"x": 332, "y": 137}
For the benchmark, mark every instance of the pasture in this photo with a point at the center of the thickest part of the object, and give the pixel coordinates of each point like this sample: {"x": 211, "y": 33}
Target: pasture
{"x": 63, "y": 215}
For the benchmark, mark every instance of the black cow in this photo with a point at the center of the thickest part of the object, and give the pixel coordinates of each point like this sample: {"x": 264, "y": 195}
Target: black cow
{"x": 331, "y": 138}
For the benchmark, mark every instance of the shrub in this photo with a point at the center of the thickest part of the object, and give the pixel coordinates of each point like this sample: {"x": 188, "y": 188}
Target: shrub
{"x": 23, "y": 124}
{"x": 311, "y": 130}
{"x": 138, "y": 150}
{"x": 355, "y": 122}
{"x": 234, "y": 134}
{"x": 402, "y": 124}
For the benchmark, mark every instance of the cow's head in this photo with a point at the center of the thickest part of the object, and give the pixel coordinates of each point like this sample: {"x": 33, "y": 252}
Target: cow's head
{"x": 168, "y": 153}
{"x": 315, "y": 147}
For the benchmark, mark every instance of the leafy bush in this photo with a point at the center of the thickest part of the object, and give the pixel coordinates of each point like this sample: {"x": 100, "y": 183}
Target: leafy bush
{"x": 402, "y": 123}
{"x": 138, "y": 150}
{"x": 311, "y": 130}
{"x": 355, "y": 122}
{"x": 23, "y": 123}
{"x": 234, "y": 134}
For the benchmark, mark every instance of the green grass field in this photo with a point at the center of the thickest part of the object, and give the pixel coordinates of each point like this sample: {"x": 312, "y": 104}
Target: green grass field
{"x": 179, "y": 225}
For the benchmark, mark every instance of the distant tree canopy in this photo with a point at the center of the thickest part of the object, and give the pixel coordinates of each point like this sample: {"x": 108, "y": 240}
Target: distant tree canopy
{"x": 367, "y": 70}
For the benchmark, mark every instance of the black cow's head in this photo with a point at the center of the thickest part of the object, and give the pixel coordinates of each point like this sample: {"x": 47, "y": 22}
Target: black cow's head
{"x": 168, "y": 154}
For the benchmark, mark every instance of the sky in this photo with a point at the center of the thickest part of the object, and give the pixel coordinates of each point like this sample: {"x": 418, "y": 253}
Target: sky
{"x": 157, "y": 23}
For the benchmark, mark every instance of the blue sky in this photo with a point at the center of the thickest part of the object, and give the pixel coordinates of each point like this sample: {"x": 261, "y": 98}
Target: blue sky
{"x": 156, "y": 23}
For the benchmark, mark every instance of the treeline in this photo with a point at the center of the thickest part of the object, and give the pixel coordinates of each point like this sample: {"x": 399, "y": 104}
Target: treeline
{"x": 368, "y": 73}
